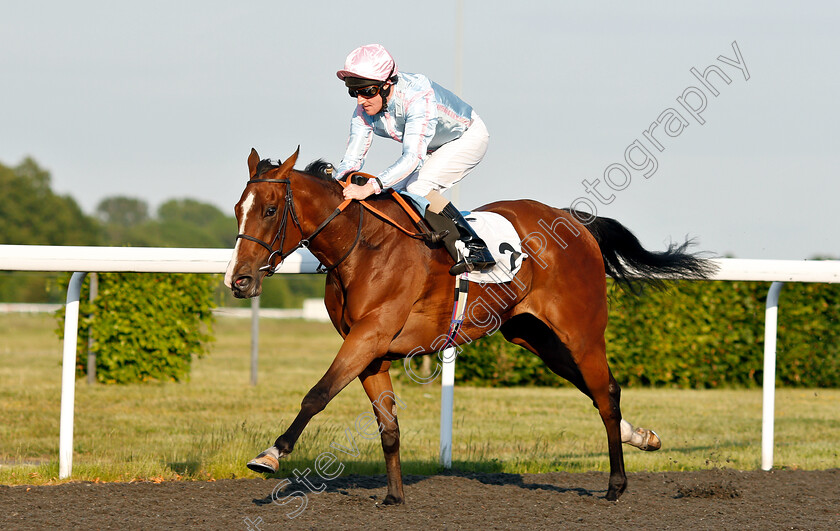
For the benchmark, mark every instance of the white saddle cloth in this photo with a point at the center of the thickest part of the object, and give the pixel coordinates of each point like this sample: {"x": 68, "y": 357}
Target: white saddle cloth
{"x": 504, "y": 244}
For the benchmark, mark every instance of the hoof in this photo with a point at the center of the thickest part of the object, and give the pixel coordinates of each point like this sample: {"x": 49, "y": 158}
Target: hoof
{"x": 264, "y": 464}
{"x": 652, "y": 442}
{"x": 392, "y": 500}
{"x": 616, "y": 490}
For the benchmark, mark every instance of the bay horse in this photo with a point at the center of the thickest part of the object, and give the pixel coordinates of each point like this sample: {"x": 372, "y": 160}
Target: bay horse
{"x": 390, "y": 296}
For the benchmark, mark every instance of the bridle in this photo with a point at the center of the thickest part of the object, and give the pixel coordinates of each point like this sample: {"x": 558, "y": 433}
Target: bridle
{"x": 289, "y": 208}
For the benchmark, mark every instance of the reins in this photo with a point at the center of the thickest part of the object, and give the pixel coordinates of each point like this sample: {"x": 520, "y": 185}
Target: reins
{"x": 289, "y": 208}
{"x": 400, "y": 201}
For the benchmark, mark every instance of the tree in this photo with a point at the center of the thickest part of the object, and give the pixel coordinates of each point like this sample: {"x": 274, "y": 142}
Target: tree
{"x": 123, "y": 211}
{"x": 179, "y": 223}
{"x": 30, "y": 213}
{"x": 190, "y": 223}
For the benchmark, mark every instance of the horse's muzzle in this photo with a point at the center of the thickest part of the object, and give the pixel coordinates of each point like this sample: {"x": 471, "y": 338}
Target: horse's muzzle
{"x": 245, "y": 287}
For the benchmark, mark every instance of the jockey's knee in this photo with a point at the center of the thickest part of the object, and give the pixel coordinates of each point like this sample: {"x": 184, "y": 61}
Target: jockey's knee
{"x": 436, "y": 201}
{"x": 421, "y": 187}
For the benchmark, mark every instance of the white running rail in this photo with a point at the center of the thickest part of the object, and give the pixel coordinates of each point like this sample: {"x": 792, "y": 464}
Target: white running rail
{"x": 166, "y": 260}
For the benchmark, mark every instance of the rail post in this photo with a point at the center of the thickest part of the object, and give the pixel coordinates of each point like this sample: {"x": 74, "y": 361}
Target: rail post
{"x": 768, "y": 407}
{"x": 68, "y": 376}
{"x": 447, "y": 401}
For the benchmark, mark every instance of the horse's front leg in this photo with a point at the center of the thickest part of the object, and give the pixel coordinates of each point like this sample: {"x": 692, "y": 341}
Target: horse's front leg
{"x": 377, "y": 383}
{"x": 363, "y": 344}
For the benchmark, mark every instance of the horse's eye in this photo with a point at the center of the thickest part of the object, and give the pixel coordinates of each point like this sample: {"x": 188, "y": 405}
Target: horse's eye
{"x": 270, "y": 211}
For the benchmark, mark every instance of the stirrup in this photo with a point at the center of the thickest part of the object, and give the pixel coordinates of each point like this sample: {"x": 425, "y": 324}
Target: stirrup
{"x": 478, "y": 257}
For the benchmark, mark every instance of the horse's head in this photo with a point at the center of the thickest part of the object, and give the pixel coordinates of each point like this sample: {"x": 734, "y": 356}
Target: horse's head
{"x": 263, "y": 213}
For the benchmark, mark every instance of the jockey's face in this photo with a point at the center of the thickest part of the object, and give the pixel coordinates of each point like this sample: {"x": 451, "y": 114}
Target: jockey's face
{"x": 372, "y": 105}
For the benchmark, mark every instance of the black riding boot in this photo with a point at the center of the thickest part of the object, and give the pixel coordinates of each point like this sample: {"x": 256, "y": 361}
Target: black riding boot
{"x": 478, "y": 257}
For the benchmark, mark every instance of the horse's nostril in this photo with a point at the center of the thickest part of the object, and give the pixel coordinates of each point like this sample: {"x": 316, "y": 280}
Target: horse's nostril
{"x": 242, "y": 282}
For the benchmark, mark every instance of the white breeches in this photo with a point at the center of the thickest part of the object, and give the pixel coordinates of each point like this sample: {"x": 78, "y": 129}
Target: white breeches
{"x": 452, "y": 161}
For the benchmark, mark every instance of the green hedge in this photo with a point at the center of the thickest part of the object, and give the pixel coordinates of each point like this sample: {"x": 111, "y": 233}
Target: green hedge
{"x": 144, "y": 326}
{"x": 694, "y": 335}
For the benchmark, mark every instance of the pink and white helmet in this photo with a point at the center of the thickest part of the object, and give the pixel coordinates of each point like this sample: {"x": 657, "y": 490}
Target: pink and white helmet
{"x": 371, "y": 61}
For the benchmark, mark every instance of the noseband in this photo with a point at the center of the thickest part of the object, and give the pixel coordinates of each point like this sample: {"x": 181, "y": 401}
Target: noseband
{"x": 289, "y": 208}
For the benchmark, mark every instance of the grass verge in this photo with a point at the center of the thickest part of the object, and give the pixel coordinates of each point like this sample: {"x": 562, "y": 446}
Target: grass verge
{"x": 210, "y": 426}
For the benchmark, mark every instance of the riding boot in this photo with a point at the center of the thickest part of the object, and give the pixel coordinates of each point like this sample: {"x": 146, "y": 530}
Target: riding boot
{"x": 447, "y": 230}
{"x": 478, "y": 257}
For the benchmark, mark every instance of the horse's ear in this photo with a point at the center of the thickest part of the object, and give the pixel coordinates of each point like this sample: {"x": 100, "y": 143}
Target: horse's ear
{"x": 253, "y": 160}
{"x": 290, "y": 162}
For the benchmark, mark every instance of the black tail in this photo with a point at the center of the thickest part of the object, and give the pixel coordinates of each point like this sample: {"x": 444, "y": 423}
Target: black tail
{"x": 628, "y": 263}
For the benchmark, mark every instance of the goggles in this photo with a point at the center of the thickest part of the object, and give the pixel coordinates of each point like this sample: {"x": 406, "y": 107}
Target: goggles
{"x": 366, "y": 92}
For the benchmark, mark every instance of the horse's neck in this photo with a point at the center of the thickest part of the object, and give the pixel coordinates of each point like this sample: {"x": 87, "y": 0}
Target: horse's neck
{"x": 315, "y": 192}
{"x": 337, "y": 239}
{"x": 316, "y": 201}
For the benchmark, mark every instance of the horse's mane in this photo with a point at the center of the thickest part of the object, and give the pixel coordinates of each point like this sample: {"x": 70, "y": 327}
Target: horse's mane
{"x": 321, "y": 169}
{"x": 317, "y": 168}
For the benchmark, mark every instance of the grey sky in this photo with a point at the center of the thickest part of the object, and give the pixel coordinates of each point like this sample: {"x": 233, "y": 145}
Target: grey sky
{"x": 160, "y": 100}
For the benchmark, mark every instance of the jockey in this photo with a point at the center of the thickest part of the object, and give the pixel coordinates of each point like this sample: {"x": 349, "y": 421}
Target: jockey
{"x": 442, "y": 138}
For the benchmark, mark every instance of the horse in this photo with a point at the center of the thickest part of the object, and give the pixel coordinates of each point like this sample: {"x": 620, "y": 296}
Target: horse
{"x": 390, "y": 296}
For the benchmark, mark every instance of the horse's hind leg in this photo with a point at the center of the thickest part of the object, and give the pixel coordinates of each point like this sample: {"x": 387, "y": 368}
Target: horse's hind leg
{"x": 585, "y": 365}
{"x": 642, "y": 438}
{"x": 606, "y": 395}
{"x": 377, "y": 383}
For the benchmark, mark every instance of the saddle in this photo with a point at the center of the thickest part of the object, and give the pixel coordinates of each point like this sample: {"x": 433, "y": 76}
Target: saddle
{"x": 439, "y": 229}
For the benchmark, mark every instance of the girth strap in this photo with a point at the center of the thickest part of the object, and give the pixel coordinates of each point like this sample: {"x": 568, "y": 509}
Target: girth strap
{"x": 462, "y": 288}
